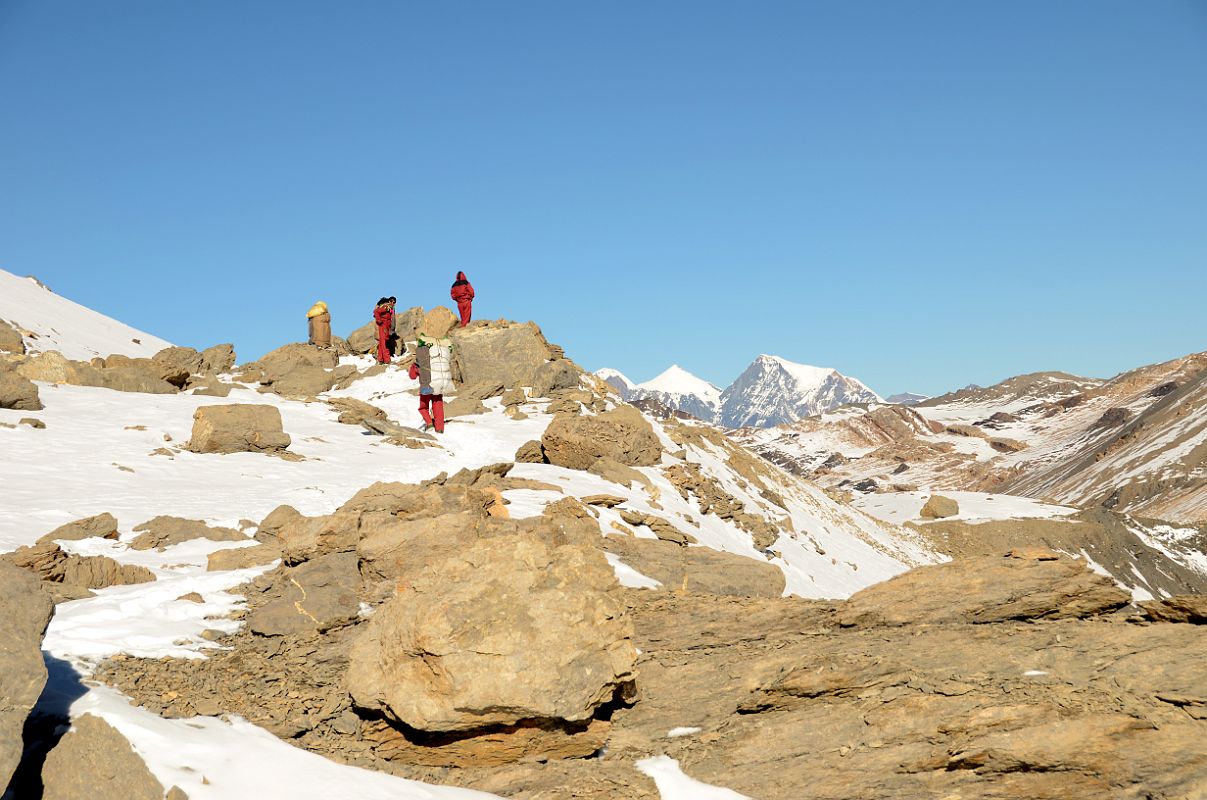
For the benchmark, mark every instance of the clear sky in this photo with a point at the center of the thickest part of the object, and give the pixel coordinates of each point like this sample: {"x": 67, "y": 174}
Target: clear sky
{"x": 921, "y": 194}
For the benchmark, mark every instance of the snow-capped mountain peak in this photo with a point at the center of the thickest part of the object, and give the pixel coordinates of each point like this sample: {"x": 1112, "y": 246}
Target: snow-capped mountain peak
{"x": 774, "y": 390}
{"x": 618, "y": 380}
{"x": 677, "y": 380}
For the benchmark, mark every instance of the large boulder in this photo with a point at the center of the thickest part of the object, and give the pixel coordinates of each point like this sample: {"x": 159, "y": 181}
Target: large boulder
{"x": 53, "y": 367}
{"x": 18, "y": 392}
{"x": 219, "y": 358}
{"x": 621, "y": 434}
{"x": 11, "y": 340}
{"x": 94, "y": 761}
{"x": 238, "y": 428}
{"x": 25, "y": 612}
{"x": 522, "y": 625}
{"x": 180, "y": 359}
{"x": 939, "y": 507}
{"x": 505, "y": 352}
{"x": 555, "y": 376}
{"x": 985, "y": 590}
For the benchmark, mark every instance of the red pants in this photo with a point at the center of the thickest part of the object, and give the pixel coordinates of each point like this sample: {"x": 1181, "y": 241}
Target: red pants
{"x": 436, "y": 401}
{"x": 383, "y": 345}
{"x": 465, "y": 307}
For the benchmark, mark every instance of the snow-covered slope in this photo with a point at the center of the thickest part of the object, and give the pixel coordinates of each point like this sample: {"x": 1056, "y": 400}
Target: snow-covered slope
{"x": 906, "y": 398}
{"x": 50, "y": 322}
{"x": 774, "y": 391}
{"x": 119, "y": 452}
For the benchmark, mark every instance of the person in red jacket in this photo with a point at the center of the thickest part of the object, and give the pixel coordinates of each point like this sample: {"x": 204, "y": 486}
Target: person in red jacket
{"x": 463, "y": 295}
{"x": 383, "y": 315}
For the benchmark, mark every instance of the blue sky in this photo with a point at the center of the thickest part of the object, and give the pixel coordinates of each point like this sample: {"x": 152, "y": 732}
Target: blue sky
{"x": 920, "y": 194}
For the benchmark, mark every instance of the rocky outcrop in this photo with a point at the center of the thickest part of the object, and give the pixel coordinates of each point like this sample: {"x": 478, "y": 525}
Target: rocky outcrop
{"x": 314, "y": 597}
{"x": 442, "y": 655}
{"x": 1038, "y": 585}
{"x": 25, "y": 612}
{"x": 622, "y": 435}
{"x": 95, "y": 761}
{"x": 119, "y": 373}
{"x": 354, "y": 412}
{"x": 939, "y": 507}
{"x": 18, "y": 392}
{"x": 238, "y": 428}
{"x": 406, "y": 324}
{"x": 699, "y": 570}
{"x": 68, "y": 576}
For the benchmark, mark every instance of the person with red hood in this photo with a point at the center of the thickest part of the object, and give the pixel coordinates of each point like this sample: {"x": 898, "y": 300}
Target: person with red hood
{"x": 383, "y": 315}
{"x": 463, "y": 295}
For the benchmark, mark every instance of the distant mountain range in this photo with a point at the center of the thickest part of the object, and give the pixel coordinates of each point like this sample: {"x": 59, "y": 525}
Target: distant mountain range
{"x": 771, "y": 391}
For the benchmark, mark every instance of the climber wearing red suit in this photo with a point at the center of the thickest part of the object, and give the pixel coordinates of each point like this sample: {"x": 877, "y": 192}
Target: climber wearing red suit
{"x": 463, "y": 295}
{"x": 383, "y": 315}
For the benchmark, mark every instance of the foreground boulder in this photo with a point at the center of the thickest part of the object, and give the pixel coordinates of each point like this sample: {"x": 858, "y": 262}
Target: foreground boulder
{"x": 508, "y": 353}
{"x": 94, "y": 761}
{"x": 18, "y": 392}
{"x": 622, "y": 435}
{"x": 447, "y": 653}
{"x": 985, "y": 590}
{"x": 25, "y": 612}
{"x": 238, "y": 428}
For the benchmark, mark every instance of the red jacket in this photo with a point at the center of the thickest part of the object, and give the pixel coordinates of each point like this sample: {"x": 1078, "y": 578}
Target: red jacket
{"x": 462, "y": 289}
{"x": 384, "y": 317}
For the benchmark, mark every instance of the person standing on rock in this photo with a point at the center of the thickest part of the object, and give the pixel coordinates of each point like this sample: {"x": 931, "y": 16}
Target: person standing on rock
{"x": 463, "y": 295}
{"x": 434, "y": 366}
{"x": 320, "y": 325}
{"x": 383, "y": 315}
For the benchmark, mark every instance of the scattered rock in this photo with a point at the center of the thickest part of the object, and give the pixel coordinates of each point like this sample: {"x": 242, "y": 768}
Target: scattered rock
{"x": 18, "y": 392}
{"x": 32, "y": 422}
{"x": 101, "y": 525}
{"x": 1003, "y": 445}
{"x": 238, "y": 428}
{"x": 354, "y": 412}
{"x": 94, "y": 761}
{"x": 612, "y": 470}
{"x": 661, "y": 528}
{"x": 605, "y": 500}
{"x": 164, "y": 531}
{"x": 554, "y": 376}
{"x": 622, "y": 435}
{"x": 530, "y": 453}
{"x": 513, "y": 397}
{"x": 25, "y": 612}
{"x": 10, "y": 339}
{"x": 463, "y": 406}
{"x": 939, "y": 507}
{"x": 180, "y": 359}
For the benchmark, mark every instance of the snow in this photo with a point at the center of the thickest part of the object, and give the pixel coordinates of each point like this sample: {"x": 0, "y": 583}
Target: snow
{"x": 676, "y": 732}
{"x": 674, "y": 785}
{"x": 679, "y": 381}
{"x": 628, "y": 576}
{"x": 900, "y": 507}
{"x": 77, "y": 332}
{"x": 213, "y": 759}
